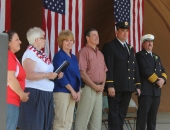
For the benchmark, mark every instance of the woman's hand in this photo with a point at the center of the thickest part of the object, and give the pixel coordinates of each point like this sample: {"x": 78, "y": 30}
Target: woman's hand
{"x": 60, "y": 75}
{"x": 51, "y": 75}
{"x": 78, "y": 96}
{"x": 74, "y": 95}
{"x": 24, "y": 96}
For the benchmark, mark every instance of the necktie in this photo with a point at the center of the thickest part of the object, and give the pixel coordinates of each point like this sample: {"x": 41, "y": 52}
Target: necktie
{"x": 125, "y": 45}
{"x": 151, "y": 57}
{"x": 150, "y": 54}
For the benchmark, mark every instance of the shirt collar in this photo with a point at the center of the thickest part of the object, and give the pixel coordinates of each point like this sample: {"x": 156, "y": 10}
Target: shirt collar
{"x": 149, "y": 53}
{"x": 9, "y": 51}
{"x": 65, "y": 52}
{"x": 87, "y": 45}
{"x": 121, "y": 42}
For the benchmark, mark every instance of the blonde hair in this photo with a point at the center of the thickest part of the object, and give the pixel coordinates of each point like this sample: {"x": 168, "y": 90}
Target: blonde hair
{"x": 64, "y": 35}
{"x": 34, "y": 33}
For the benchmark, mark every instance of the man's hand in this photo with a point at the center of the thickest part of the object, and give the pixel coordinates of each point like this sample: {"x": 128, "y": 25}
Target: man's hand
{"x": 99, "y": 88}
{"x": 102, "y": 88}
{"x": 160, "y": 82}
{"x": 138, "y": 91}
{"x": 111, "y": 91}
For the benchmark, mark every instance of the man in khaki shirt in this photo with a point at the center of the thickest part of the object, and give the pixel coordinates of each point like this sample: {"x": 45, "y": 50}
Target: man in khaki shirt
{"x": 93, "y": 73}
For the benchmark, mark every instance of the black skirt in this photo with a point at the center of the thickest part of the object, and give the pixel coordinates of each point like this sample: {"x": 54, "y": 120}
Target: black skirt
{"x": 37, "y": 112}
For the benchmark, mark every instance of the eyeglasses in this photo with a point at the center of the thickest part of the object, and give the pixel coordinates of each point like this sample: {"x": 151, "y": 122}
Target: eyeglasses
{"x": 42, "y": 38}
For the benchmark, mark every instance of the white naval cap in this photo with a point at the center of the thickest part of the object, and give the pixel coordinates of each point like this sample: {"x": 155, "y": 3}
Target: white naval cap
{"x": 147, "y": 37}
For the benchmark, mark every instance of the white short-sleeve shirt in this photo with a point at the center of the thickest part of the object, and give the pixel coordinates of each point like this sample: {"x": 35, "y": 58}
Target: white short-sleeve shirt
{"x": 41, "y": 84}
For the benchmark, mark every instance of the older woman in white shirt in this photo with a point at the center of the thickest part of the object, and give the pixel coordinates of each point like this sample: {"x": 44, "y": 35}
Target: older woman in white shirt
{"x": 37, "y": 113}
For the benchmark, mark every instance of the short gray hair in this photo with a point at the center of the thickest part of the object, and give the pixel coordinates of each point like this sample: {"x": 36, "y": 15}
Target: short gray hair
{"x": 34, "y": 33}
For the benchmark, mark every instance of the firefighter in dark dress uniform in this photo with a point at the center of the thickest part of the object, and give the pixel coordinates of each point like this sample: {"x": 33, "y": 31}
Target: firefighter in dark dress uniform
{"x": 153, "y": 77}
{"x": 122, "y": 76}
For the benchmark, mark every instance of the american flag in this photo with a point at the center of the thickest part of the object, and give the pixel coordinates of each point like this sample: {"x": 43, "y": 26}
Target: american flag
{"x": 5, "y": 11}
{"x": 62, "y": 15}
{"x": 131, "y": 11}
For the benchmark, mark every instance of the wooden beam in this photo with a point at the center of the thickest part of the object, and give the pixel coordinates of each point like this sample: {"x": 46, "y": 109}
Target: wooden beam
{"x": 162, "y": 10}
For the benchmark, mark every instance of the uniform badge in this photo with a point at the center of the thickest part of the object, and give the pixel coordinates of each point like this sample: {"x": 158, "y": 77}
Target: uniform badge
{"x": 126, "y": 23}
{"x": 149, "y": 35}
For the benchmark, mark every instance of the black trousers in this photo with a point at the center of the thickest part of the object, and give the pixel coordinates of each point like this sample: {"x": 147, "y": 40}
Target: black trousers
{"x": 147, "y": 112}
{"x": 118, "y": 106}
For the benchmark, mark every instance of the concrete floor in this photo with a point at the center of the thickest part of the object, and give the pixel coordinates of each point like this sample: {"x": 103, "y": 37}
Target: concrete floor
{"x": 163, "y": 122}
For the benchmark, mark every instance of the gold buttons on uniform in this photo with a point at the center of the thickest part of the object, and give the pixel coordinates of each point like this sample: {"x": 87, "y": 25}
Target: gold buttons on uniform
{"x": 128, "y": 61}
{"x": 160, "y": 70}
{"x": 133, "y": 78}
{"x": 133, "y": 70}
{"x": 128, "y": 69}
{"x": 133, "y": 62}
{"x": 155, "y": 69}
{"x": 129, "y": 77}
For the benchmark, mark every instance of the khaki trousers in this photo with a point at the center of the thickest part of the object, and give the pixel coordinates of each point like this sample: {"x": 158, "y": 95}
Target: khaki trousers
{"x": 89, "y": 111}
{"x": 64, "y": 109}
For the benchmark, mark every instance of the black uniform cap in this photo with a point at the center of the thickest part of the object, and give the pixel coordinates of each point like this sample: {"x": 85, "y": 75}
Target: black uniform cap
{"x": 123, "y": 25}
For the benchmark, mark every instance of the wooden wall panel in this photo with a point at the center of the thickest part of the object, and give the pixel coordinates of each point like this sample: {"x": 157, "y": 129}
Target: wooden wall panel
{"x": 156, "y": 23}
{"x": 24, "y": 15}
{"x": 99, "y": 15}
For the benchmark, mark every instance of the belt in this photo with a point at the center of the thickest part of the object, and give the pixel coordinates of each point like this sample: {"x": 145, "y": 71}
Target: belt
{"x": 100, "y": 83}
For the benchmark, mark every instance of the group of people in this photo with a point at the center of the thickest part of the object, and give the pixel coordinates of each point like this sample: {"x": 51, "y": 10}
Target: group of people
{"x": 48, "y": 99}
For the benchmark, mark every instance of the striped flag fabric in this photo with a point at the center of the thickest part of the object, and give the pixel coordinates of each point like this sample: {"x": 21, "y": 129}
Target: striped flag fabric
{"x": 131, "y": 11}
{"x": 5, "y": 14}
{"x": 62, "y": 15}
